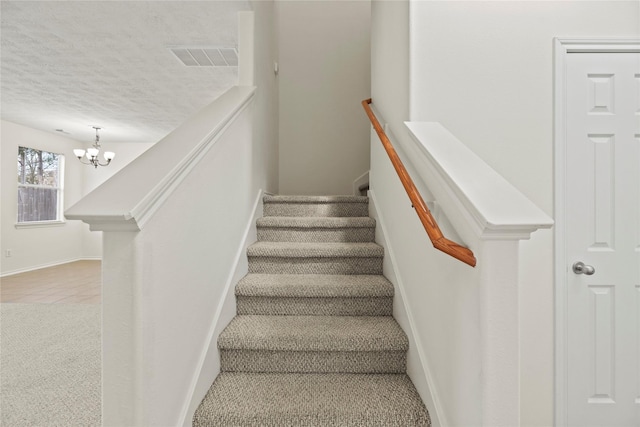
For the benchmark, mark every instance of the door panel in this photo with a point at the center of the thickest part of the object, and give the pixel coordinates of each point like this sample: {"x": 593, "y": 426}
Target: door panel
{"x": 603, "y": 231}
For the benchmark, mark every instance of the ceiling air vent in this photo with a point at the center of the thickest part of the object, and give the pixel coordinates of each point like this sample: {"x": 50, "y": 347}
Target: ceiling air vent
{"x": 206, "y": 56}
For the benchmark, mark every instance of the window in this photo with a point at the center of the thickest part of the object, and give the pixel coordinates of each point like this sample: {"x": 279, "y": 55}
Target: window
{"x": 39, "y": 185}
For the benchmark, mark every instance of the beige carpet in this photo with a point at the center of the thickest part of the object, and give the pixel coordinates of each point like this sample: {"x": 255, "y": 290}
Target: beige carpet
{"x": 314, "y": 342}
{"x": 50, "y": 365}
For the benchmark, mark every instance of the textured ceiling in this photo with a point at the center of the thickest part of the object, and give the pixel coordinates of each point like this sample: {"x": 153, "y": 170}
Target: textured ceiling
{"x": 75, "y": 64}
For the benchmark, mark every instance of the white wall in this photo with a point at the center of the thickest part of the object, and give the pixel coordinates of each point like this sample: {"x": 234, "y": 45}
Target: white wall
{"x": 42, "y": 246}
{"x": 440, "y": 304}
{"x": 436, "y": 302}
{"x": 484, "y": 70}
{"x": 390, "y": 61}
{"x": 324, "y": 61}
{"x": 266, "y": 116}
{"x": 264, "y": 176}
{"x": 390, "y": 95}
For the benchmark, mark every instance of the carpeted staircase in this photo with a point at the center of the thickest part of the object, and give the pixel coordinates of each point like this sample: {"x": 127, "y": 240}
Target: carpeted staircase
{"x": 314, "y": 343}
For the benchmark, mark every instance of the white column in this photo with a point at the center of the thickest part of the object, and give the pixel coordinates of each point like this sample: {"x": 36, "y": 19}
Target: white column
{"x": 499, "y": 328}
{"x": 121, "y": 330}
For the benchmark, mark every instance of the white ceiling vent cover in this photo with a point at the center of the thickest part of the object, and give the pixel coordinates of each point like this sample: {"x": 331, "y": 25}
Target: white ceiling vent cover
{"x": 206, "y": 56}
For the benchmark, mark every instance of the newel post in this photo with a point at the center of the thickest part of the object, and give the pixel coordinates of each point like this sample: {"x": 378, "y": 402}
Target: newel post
{"x": 499, "y": 329}
{"x": 122, "y": 329}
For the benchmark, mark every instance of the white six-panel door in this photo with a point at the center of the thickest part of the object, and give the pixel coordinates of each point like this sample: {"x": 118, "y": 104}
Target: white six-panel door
{"x": 602, "y": 226}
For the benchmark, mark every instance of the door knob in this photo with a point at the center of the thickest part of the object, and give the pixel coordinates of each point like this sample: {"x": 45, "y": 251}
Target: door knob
{"x": 581, "y": 268}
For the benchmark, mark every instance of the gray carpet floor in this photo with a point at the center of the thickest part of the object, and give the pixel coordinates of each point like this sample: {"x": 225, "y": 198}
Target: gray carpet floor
{"x": 50, "y": 365}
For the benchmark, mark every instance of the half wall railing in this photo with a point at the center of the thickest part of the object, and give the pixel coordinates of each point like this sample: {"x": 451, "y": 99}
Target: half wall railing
{"x": 463, "y": 323}
{"x": 173, "y": 224}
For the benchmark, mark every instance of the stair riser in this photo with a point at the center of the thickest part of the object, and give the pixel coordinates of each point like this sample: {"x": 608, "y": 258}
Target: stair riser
{"x": 313, "y": 209}
{"x": 316, "y": 235}
{"x": 377, "y": 362}
{"x": 329, "y": 265}
{"x": 376, "y": 306}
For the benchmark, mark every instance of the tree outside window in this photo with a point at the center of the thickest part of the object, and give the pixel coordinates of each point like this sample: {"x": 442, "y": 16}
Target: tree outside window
{"x": 39, "y": 185}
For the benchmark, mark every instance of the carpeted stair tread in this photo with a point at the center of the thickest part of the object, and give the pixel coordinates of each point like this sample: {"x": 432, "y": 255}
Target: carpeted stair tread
{"x": 314, "y": 286}
{"x": 315, "y": 222}
{"x": 316, "y": 229}
{"x": 314, "y": 333}
{"x": 315, "y": 250}
{"x": 314, "y": 295}
{"x": 315, "y": 199}
{"x": 316, "y": 206}
{"x": 318, "y": 400}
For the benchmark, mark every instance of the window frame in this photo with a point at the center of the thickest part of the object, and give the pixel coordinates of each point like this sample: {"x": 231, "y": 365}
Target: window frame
{"x": 59, "y": 188}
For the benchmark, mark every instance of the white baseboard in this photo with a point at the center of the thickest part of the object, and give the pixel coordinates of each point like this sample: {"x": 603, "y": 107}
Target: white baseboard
{"x": 209, "y": 360}
{"x": 47, "y": 265}
{"x": 417, "y": 366}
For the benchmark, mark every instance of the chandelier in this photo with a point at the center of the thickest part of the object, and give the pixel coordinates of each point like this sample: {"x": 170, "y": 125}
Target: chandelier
{"x": 92, "y": 154}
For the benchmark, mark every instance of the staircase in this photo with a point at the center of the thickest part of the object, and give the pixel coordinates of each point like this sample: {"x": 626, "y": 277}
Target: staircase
{"x": 314, "y": 343}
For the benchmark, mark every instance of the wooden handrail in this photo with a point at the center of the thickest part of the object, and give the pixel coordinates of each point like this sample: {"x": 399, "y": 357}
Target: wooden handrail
{"x": 430, "y": 225}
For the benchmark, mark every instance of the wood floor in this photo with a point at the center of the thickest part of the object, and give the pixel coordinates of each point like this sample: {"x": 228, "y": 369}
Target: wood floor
{"x": 73, "y": 283}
